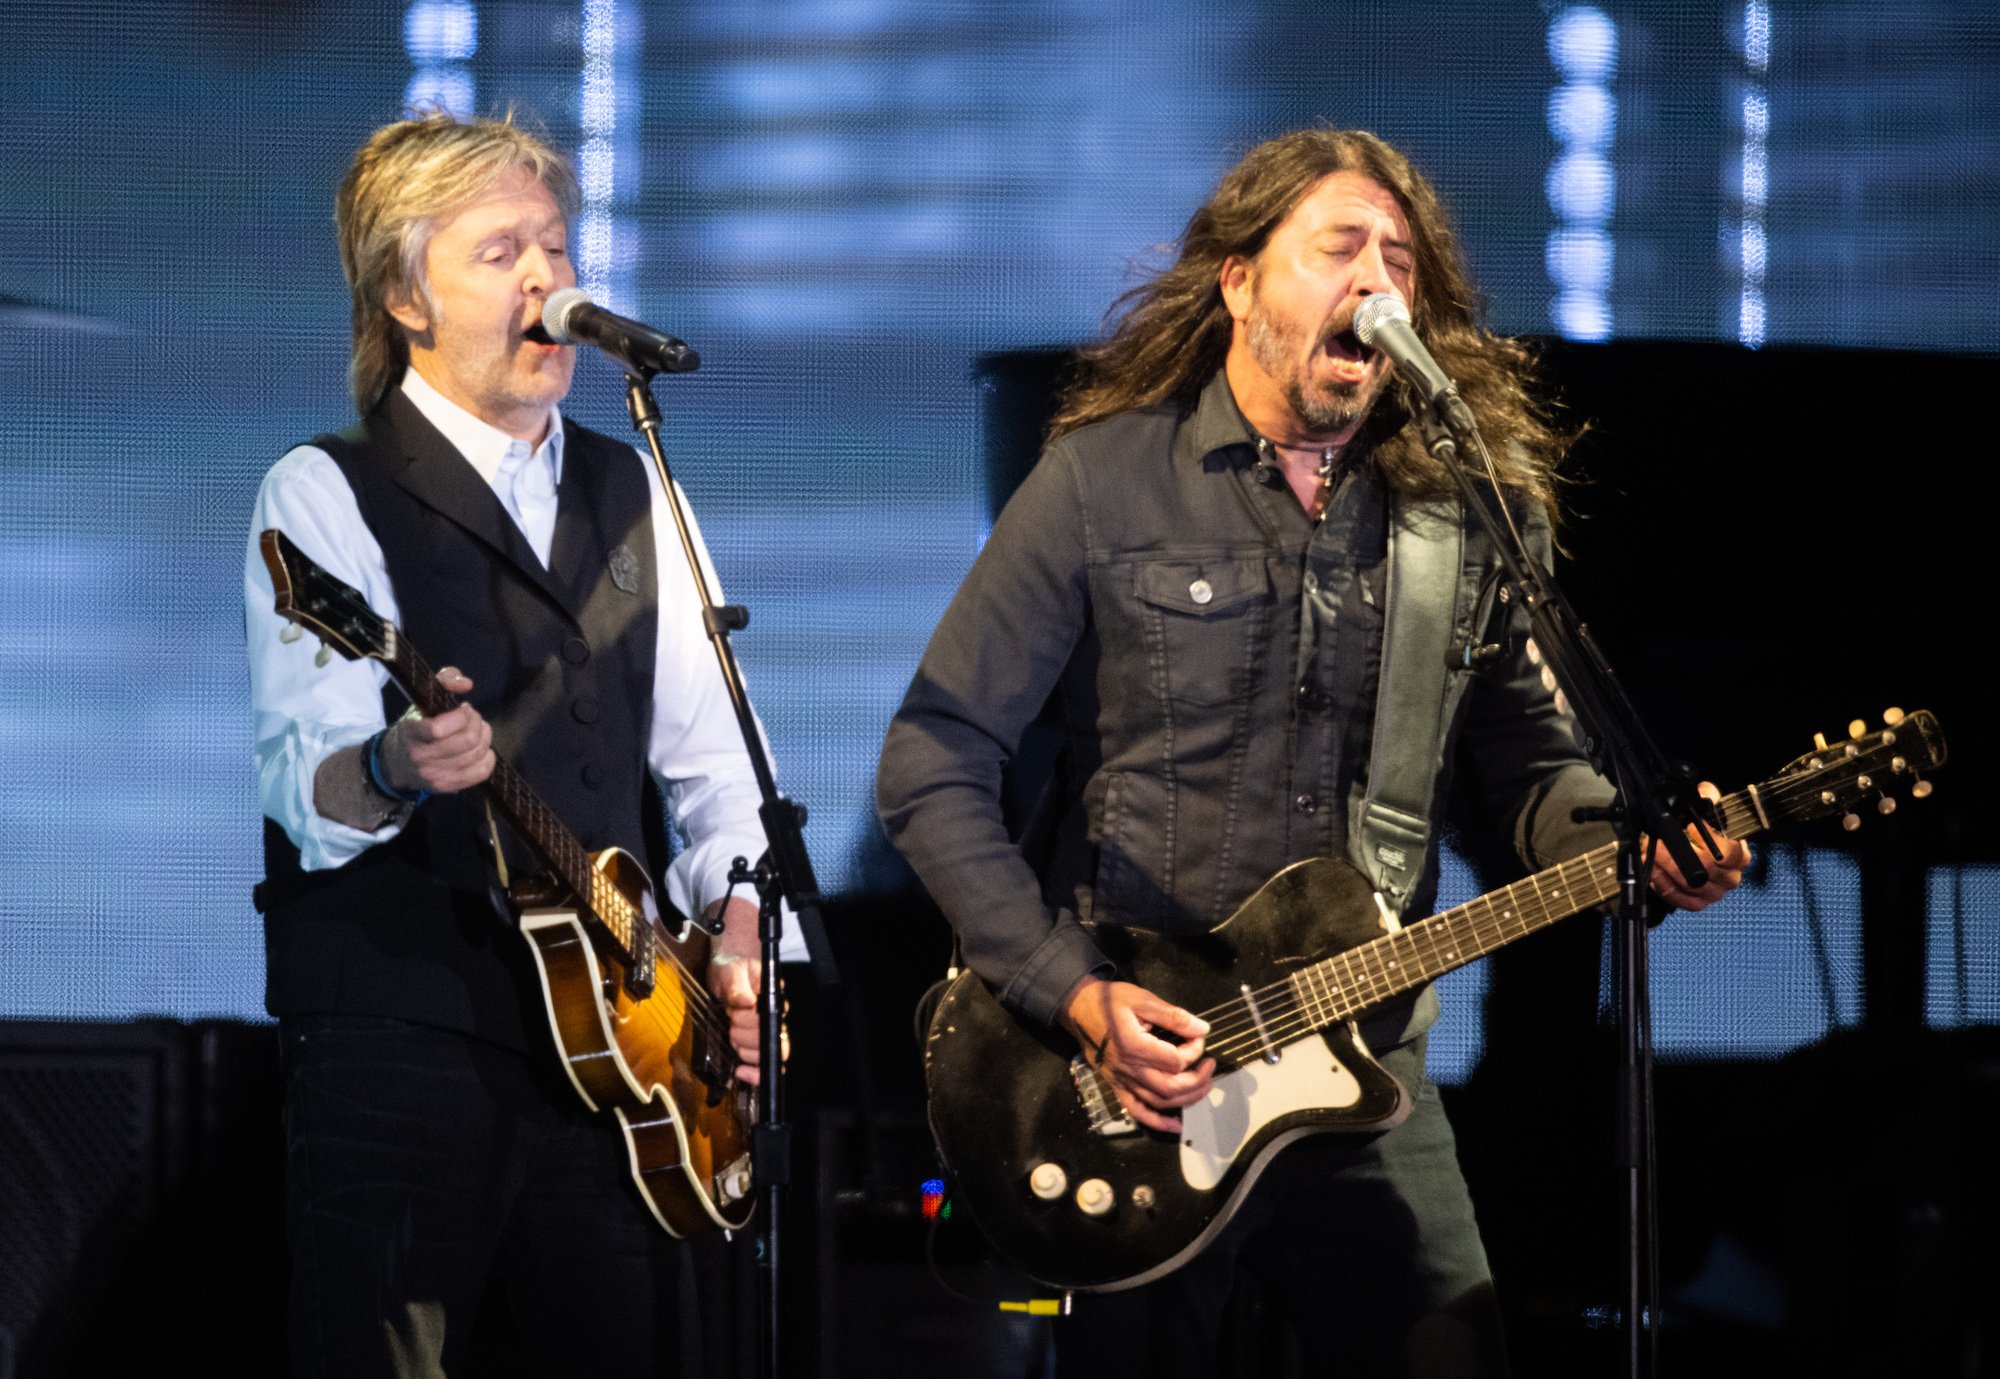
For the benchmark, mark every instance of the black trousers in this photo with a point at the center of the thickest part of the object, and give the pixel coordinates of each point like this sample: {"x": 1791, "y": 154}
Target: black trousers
{"x": 429, "y": 1175}
{"x": 1368, "y": 1245}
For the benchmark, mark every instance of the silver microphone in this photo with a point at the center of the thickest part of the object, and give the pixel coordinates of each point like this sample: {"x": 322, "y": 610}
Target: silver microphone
{"x": 1383, "y": 323}
{"x": 569, "y": 316}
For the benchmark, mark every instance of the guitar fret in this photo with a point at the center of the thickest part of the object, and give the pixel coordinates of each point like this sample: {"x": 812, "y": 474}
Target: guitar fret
{"x": 1309, "y": 988}
{"x": 1431, "y": 956}
{"x": 1359, "y": 982}
{"x": 345, "y": 622}
{"x": 1385, "y": 967}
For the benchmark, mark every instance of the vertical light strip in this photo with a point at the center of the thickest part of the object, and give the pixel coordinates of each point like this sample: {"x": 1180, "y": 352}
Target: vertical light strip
{"x": 1582, "y": 185}
{"x": 440, "y": 36}
{"x": 1754, "y": 181}
{"x": 608, "y": 157}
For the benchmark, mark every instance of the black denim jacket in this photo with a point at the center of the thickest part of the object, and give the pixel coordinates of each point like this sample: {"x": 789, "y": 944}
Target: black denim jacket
{"x": 1151, "y": 575}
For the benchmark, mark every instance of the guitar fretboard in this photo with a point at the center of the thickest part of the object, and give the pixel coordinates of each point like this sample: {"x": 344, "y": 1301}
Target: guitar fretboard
{"x": 1341, "y": 987}
{"x": 534, "y": 820}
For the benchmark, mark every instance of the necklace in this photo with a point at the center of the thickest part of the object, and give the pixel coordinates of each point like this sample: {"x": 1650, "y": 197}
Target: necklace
{"x": 1329, "y": 457}
{"x": 1326, "y": 458}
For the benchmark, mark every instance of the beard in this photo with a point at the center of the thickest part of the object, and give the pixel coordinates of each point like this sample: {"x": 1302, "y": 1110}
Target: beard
{"x": 1278, "y": 345}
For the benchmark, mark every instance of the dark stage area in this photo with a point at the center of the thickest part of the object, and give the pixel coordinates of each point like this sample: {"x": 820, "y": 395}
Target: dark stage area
{"x": 1769, "y": 544}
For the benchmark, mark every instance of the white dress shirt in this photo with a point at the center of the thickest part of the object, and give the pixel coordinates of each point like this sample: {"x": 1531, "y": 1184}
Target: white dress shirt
{"x": 303, "y": 713}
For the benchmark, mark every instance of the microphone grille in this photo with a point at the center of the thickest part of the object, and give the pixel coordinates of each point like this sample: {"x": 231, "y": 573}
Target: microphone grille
{"x": 558, "y": 309}
{"x": 1370, "y": 317}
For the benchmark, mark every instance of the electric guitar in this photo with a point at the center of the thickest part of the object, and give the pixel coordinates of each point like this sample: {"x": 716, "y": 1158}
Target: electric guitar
{"x": 639, "y": 1034}
{"x": 1074, "y": 1193}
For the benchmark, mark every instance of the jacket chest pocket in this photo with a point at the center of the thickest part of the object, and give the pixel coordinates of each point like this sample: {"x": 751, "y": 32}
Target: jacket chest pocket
{"x": 1206, "y": 622}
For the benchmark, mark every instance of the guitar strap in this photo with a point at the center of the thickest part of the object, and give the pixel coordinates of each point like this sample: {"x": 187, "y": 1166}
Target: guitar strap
{"x": 1413, "y": 705}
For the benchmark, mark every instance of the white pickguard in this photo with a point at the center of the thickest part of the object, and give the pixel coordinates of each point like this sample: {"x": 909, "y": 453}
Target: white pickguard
{"x": 1214, "y": 1131}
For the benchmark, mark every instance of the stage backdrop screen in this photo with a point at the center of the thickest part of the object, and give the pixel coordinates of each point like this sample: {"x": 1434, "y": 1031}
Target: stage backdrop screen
{"x": 842, "y": 204}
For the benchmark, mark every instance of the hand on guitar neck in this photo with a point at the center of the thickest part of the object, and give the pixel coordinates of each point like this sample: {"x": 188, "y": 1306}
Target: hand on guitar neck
{"x": 1115, "y": 1022}
{"x": 451, "y": 752}
{"x": 1120, "y": 1026}
{"x": 1725, "y": 867}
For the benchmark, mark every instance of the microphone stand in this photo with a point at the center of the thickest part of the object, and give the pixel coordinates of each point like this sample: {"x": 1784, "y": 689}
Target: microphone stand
{"x": 1654, "y": 800}
{"x": 784, "y": 875}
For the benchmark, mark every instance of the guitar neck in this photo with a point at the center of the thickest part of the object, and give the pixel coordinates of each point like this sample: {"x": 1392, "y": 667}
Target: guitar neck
{"x": 1341, "y": 987}
{"x": 518, "y": 803}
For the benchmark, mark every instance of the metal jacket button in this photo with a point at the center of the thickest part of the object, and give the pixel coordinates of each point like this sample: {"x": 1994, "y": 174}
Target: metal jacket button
{"x": 576, "y": 651}
{"x": 584, "y": 709}
{"x": 1306, "y": 804}
{"x": 1201, "y": 591}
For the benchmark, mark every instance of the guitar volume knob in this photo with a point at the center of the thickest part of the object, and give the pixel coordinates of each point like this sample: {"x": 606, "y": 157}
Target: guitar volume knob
{"x": 1048, "y": 1181}
{"x": 1094, "y": 1197}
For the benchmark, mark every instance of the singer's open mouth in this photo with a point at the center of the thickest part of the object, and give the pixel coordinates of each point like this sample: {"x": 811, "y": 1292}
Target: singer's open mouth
{"x": 1347, "y": 345}
{"x": 538, "y": 334}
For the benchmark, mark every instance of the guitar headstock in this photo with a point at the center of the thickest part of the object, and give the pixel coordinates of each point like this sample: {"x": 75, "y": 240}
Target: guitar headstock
{"x": 1872, "y": 768}
{"x": 309, "y": 596}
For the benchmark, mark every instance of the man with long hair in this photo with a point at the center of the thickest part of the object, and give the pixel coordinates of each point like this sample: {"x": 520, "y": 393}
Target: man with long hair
{"x": 437, "y": 1158}
{"x": 1238, "y": 572}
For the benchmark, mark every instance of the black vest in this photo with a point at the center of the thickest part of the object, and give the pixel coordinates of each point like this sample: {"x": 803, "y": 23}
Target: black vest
{"x": 561, "y": 661}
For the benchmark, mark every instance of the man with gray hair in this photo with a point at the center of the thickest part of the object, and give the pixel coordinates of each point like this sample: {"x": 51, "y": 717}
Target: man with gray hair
{"x": 435, "y": 1152}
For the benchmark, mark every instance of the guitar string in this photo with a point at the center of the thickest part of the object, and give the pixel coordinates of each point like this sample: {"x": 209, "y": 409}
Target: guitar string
{"x": 1234, "y": 1030}
{"x": 1739, "y": 818}
{"x": 695, "y": 998}
{"x": 1477, "y": 927}
{"x": 624, "y": 920}
{"x": 1331, "y": 1003}
{"x": 1486, "y": 926}
{"x": 670, "y": 1022}
{"x": 1472, "y": 934}
{"x": 1293, "y": 1003}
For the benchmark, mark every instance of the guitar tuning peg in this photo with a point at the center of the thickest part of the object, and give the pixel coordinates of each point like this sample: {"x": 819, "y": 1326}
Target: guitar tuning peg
{"x": 1819, "y": 741}
{"x": 1857, "y": 728}
{"x": 290, "y": 633}
{"x": 325, "y": 655}
{"x": 1886, "y": 805}
{"x": 1922, "y": 789}
{"x": 1892, "y": 716}
{"x": 1850, "y": 822}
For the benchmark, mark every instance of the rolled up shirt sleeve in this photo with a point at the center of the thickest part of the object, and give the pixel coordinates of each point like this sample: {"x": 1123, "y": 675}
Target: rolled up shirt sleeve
{"x": 991, "y": 665}
{"x": 303, "y": 712}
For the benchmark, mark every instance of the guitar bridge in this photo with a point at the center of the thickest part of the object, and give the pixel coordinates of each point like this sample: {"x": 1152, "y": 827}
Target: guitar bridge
{"x": 640, "y": 973}
{"x": 1100, "y": 1106}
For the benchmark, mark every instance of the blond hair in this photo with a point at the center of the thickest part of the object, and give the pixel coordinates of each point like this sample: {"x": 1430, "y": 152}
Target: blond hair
{"x": 409, "y": 176}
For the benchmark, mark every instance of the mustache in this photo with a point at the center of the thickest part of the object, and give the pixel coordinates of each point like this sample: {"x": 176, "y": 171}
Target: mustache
{"x": 1338, "y": 335}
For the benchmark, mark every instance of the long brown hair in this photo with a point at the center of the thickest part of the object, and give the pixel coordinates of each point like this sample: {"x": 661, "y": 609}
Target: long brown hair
{"x": 1173, "y": 331}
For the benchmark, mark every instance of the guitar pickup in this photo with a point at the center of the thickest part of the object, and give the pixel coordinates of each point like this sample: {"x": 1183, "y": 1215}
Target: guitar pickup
{"x": 641, "y": 973}
{"x": 1100, "y": 1106}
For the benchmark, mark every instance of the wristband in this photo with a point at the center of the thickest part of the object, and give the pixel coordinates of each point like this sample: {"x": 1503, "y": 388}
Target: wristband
{"x": 373, "y": 757}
